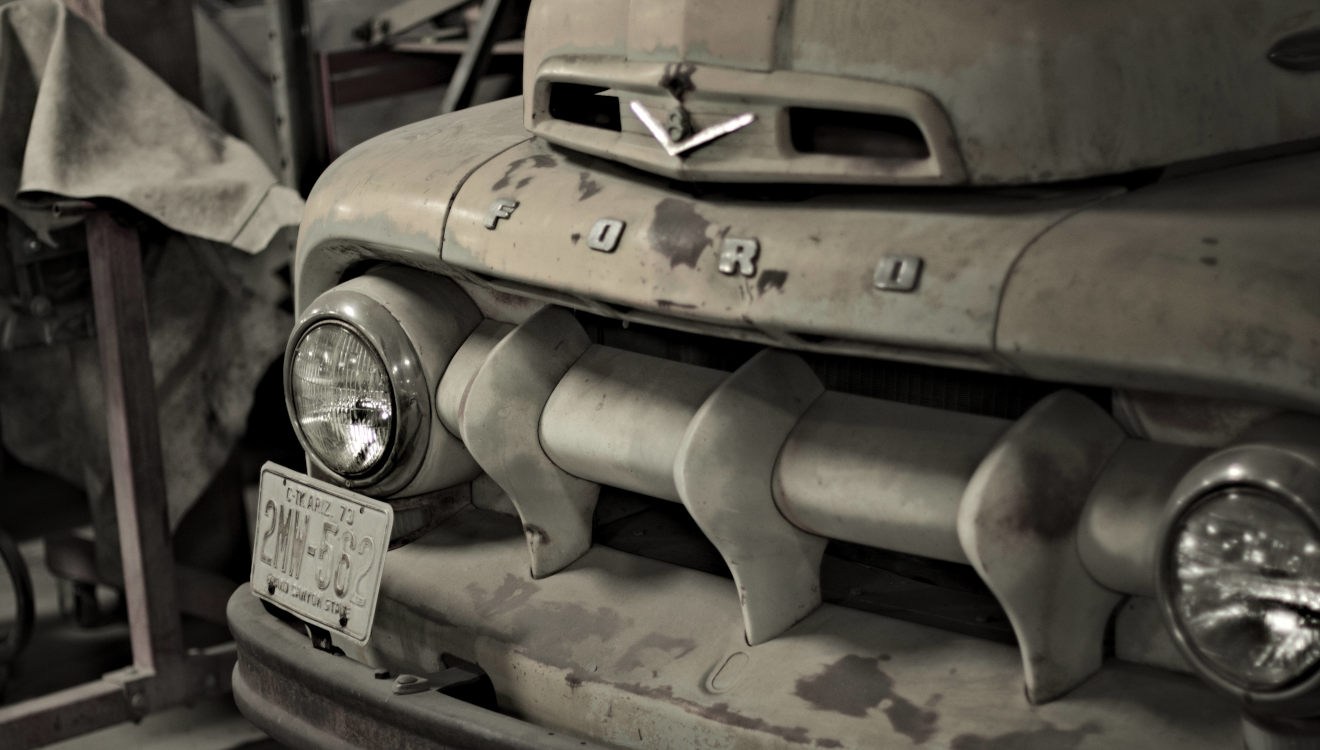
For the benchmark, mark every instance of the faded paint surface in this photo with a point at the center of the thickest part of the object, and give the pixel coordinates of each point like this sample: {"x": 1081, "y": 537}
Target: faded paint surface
{"x": 1200, "y": 284}
{"x": 760, "y": 151}
{"x": 1017, "y": 523}
{"x": 816, "y": 261}
{"x": 1036, "y": 90}
{"x": 702, "y": 31}
{"x": 1203, "y": 284}
{"x": 389, "y": 198}
{"x": 622, "y": 648}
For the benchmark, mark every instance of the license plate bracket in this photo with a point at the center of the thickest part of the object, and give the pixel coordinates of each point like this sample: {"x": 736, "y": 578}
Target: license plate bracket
{"x": 319, "y": 551}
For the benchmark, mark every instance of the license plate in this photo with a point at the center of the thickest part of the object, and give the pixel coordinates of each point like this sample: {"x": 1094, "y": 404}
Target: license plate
{"x": 320, "y": 551}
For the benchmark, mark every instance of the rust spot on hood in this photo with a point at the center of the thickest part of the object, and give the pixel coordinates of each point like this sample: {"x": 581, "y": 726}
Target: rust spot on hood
{"x": 539, "y": 161}
{"x": 771, "y": 279}
{"x": 587, "y": 187}
{"x": 678, "y": 232}
{"x": 854, "y": 685}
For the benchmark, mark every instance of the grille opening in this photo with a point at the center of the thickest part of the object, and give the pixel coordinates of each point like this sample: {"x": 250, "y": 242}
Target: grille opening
{"x": 581, "y": 104}
{"x": 906, "y": 587}
{"x": 840, "y": 133}
{"x": 967, "y": 391}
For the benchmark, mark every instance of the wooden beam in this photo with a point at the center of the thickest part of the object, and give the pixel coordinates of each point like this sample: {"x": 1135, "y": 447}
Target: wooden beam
{"x": 119, "y": 299}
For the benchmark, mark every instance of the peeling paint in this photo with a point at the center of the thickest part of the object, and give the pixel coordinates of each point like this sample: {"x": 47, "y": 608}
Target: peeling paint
{"x": 678, "y": 232}
{"x": 537, "y": 161}
{"x": 771, "y": 279}
{"x": 675, "y": 648}
{"x": 1047, "y": 737}
{"x": 719, "y": 712}
{"x": 587, "y": 187}
{"x": 512, "y": 594}
{"x": 854, "y": 685}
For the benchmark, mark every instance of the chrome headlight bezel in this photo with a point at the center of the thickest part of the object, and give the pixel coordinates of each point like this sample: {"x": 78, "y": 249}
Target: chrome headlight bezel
{"x": 383, "y": 334}
{"x": 1289, "y": 478}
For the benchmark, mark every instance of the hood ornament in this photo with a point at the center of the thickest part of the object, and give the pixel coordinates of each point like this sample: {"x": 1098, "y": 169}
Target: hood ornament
{"x": 675, "y": 148}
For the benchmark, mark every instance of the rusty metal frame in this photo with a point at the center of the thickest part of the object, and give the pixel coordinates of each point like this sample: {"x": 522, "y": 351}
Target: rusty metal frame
{"x": 162, "y": 675}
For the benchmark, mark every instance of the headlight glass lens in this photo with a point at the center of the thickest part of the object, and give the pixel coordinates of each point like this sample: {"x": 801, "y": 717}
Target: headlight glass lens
{"x": 1245, "y": 571}
{"x": 342, "y": 398}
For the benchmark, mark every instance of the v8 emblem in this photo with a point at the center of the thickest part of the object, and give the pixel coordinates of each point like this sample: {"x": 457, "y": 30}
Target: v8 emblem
{"x": 738, "y": 256}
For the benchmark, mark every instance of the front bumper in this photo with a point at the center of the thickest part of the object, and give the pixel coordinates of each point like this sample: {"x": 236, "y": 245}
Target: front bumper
{"x": 632, "y": 652}
{"x": 312, "y": 700}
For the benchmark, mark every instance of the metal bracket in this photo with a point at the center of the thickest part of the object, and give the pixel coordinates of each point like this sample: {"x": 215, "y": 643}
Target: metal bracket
{"x": 403, "y": 18}
{"x": 501, "y": 425}
{"x": 1017, "y": 523}
{"x": 724, "y": 470}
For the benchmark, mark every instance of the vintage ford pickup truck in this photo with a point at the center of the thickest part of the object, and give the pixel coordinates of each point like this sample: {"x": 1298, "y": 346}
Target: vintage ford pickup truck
{"x": 815, "y": 374}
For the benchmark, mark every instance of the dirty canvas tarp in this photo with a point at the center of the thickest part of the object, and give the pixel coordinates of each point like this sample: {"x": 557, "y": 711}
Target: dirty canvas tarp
{"x": 81, "y": 118}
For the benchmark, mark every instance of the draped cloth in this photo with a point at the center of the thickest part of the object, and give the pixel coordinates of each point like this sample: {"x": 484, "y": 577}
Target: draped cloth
{"x": 82, "y": 118}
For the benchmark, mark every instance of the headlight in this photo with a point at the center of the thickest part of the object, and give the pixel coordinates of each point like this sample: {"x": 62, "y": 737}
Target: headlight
{"x": 357, "y": 393}
{"x": 1246, "y": 587}
{"x": 1239, "y": 568}
{"x": 359, "y": 373}
{"x": 342, "y": 399}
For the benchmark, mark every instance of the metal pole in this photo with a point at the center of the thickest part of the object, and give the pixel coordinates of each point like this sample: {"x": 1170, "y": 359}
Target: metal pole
{"x": 476, "y": 58}
{"x": 293, "y": 78}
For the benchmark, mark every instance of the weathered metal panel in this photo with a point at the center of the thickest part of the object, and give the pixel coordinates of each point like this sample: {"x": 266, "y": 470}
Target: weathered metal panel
{"x": 1199, "y": 285}
{"x": 310, "y": 699}
{"x": 636, "y": 653}
{"x": 392, "y": 194}
{"x": 882, "y": 474}
{"x": 1036, "y": 90}
{"x": 1018, "y": 525}
{"x": 500, "y": 420}
{"x": 762, "y": 149}
{"x": 619, "y": 417}
{"x": 813, "y": 274}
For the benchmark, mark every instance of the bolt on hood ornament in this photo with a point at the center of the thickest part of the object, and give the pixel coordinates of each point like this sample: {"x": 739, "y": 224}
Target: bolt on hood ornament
{"x": 675, "y": 147}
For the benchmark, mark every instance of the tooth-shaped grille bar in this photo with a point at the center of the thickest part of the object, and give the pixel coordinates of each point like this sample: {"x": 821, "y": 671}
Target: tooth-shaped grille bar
{"x": 724, "y": 472}
{"x": 500, "y": 423}
{"x": 771, "y": 466}
{"x": 1018, "y": 525}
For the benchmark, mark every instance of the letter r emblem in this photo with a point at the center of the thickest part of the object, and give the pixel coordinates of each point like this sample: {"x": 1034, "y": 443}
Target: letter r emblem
{"x": 739, "y": 256}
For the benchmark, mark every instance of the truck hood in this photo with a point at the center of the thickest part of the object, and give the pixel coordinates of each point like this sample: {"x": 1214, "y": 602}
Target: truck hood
{"x": 1201, "y": 285}
{"x": 1002, "y": 91}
